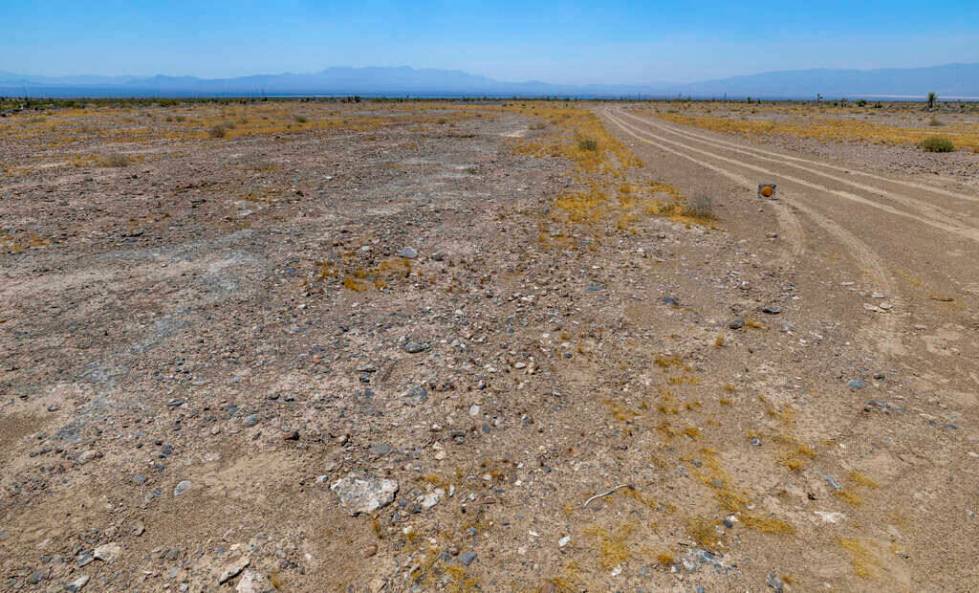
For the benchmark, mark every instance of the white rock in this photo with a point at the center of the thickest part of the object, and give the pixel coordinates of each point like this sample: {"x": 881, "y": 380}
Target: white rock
{"x": 107, "y": 552}
{"x": 430, "y": 499}
{"x": 830, "y": 516}
{"x": 364, "y": 494}
{"x": 253, "y": 582}
{"x": 564, "y": 541}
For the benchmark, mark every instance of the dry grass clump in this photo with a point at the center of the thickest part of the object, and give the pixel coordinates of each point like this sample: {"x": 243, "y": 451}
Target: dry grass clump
{"x": 13, "y": 244}
{"x": 115, "y": 159}
{"x": 865, "y": 563}
{"x": 361, "y": 279}
{"x": 613, "y": 546}
{"x": 700, "y": 207}
{"x": 937, "y": 144}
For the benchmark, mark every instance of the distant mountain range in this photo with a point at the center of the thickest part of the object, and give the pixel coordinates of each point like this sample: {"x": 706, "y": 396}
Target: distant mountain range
{"x": 949, "y": 81}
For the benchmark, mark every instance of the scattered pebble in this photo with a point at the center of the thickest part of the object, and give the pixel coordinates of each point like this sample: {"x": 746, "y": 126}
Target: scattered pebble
{"x": 182, "y": 487}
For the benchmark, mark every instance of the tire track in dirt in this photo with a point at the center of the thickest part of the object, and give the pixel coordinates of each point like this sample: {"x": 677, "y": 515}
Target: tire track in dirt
{"x": 790, "y": 224}
{"x": 884, "y": 332}
{"x": 929, "y": 210}
{"x": 910, "y": 184}
{"x": 970, "y": 233}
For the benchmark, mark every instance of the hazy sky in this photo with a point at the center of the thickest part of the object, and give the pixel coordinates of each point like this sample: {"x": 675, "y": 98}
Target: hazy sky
{"x": 554, "y": 41}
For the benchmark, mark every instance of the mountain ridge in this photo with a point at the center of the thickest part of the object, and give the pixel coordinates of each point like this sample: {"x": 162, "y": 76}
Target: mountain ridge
{"x": 948, "y": 80}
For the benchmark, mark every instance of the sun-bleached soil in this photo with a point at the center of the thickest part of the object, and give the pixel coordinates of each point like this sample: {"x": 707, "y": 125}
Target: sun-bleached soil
{"x": 458, "y": 347}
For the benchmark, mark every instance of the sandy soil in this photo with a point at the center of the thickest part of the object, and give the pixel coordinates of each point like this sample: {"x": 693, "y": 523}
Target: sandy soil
{"x": 373, "y": 348}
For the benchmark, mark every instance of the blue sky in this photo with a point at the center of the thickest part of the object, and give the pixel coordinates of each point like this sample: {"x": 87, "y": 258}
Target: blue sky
{"x": 554, "y": 41}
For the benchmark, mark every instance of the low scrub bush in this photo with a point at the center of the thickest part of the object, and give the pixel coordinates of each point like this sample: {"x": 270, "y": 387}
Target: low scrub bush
{"x": 701, "y": 206}
{"x": 937, "y": 144}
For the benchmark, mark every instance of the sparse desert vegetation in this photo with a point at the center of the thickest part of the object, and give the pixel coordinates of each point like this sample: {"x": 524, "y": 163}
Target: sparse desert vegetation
{"x": 898, "y": 124}
{"x": 527, "y": 346}
{"x": 937, "y": 144}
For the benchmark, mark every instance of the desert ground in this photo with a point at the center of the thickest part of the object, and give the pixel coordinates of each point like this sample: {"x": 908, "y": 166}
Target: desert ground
{"x": 525, "y": 347}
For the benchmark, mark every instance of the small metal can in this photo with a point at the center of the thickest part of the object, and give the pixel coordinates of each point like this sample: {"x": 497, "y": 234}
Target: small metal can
{"x": 766, "y": 190}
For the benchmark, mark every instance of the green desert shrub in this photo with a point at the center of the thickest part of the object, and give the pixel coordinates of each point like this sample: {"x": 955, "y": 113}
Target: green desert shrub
{"x": 937, "y": 144}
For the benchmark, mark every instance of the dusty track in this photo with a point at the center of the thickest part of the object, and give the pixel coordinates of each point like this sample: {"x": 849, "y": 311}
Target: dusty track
{"x": 870, "y": 263}
{"x": 912, "y": 241}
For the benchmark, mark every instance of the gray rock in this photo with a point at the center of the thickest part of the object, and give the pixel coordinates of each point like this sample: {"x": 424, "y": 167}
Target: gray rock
{"x": 697, "y": 558}
{"x": 364, "y": 494}
{"x": 233, "y": 569}
{"x": 833, "y": 483}
{"x": 250, "y": 420}
{"x": 36, "y": 577}
{"x": 414, "y": 347}
{"x": 736, "y": 323}
{"x": 771, "y": 310}
{"x": 77, "y": 585}
{"x": 467, "y": 558}
{"x": 416, "y": 394}
{"x": 182, "y": 487}
{"x": 408, "y": 253}
{"x": 89, "y": 455}
{"x": 856, "y": 384}
{"x": 670, "y": 300}
{"x": 380, "y": 449}
{"x": 775, "y": 582}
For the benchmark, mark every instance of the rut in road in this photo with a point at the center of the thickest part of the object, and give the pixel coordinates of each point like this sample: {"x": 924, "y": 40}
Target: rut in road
{"x": 956, "y": 228}
{"x": 884, "y": 332}
{"x": 927, "y": 209}
{"x": 960, "y": 195}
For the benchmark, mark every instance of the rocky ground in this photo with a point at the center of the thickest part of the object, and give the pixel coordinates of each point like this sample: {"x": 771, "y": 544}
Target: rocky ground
{"x": 435, "y": 347}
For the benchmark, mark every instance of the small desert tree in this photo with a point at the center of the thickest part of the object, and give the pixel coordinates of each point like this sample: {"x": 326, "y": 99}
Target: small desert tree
{"x": 932, "y": 99}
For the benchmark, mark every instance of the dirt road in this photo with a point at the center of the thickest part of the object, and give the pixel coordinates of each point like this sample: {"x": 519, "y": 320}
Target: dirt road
{"x": 916, "y": 241}
{"x": 912, "y": 243}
